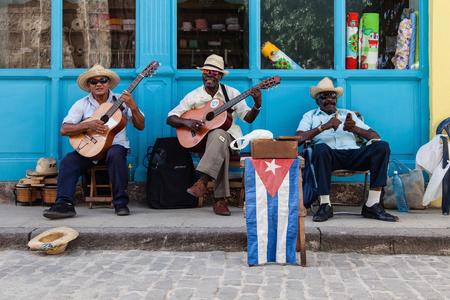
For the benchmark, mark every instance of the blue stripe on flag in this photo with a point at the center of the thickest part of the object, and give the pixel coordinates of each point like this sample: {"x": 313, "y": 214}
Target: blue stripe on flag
{"x": 272, "y": 225}
{"x": 291, "y": 238}
{"x": 250, "y": 210}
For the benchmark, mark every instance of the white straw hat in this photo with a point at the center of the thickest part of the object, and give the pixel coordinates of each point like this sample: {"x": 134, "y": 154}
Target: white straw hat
{"x": 53, "y": 241}
{"x": 325, "y": 85}
{"x": 97, "y": 70}
{"x": 215, "y": 63}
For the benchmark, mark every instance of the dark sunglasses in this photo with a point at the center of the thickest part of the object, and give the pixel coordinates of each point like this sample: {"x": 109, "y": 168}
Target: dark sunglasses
{"x": 211, "y": 73}
{"x": 326, "y": 95}
{"x": 102, "y": 80}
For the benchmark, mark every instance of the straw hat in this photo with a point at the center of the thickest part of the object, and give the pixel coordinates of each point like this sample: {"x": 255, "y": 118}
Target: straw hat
{"x": 45, "y": 166}
{"x": 215, "y": 63}
{"x": 53, "y": 241}
{"x": 325, "y": 85}
{"x": 97, "y": 70}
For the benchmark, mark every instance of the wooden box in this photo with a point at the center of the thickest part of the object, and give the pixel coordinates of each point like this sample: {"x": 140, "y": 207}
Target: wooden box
{"x": 268, "y": 148}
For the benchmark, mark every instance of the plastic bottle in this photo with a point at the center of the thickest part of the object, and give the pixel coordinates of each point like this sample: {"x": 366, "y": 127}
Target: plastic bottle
{"x": 402, "y": 204}
{"x": 278, "y": 58}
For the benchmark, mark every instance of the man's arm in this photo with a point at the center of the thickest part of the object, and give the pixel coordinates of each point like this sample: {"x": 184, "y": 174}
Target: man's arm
{"x": 350, "y": 126}
{"x": 310, "y": 134}
{"x": 253, "y": 113}
{"x": 178, "y": 122}
{"x": 97, "y": 126}
{"x": 137, "y": 117}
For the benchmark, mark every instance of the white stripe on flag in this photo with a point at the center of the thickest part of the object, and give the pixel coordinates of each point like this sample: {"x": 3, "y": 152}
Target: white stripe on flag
{"x": 261, "y": 218}
{"x": 283, "y": 213}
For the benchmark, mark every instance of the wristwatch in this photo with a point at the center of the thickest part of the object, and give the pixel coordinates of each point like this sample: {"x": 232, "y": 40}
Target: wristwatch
{"x": 320, "y": 128}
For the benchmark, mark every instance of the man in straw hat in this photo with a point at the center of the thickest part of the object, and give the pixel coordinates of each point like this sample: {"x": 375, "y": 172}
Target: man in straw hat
{"x": 99, "y": 82}
{"x": 215, "y": 160}
{"x": 332, "y": 133}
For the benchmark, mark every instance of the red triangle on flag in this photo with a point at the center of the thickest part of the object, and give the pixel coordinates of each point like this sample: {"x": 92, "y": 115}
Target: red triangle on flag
{"x": 272, "y": 172}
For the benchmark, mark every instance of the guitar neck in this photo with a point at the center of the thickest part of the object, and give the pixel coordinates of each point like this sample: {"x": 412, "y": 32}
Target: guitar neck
{"x": 119, "y": 101}
{"x": 232, "y": 102}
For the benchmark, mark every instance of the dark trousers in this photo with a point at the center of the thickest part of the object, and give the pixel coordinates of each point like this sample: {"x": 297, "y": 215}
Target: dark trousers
{"x": 374, "y": 158}
{"x": 74, "y": 165}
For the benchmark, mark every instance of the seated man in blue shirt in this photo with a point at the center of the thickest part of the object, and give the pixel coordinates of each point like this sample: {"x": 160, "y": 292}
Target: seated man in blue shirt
{"x": 332, "y": 133}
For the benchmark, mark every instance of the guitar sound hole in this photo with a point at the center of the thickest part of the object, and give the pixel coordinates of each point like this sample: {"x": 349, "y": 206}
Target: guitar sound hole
{"x": 104, "y": 118}
{"x": 210, "y": 116}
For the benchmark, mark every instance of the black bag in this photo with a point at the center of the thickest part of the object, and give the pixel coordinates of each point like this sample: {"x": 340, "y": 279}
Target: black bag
{"x": 170, "y": 172}
{"x": 310, "y": 189}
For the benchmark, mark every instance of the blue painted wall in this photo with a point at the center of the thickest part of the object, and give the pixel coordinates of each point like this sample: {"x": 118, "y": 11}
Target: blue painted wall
{"x": 34, "y": 102}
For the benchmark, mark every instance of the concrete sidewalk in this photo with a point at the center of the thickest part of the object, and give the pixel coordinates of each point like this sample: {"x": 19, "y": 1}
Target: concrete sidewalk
{"x": 418, "y": 232}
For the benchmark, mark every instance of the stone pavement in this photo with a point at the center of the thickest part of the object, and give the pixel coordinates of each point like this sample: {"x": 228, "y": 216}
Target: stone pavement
{"x": 81, "y": 274}
{"x": 418, "y": 232}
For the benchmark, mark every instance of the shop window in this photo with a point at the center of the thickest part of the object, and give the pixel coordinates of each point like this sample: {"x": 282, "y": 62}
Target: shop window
{"x": 297, "y": 34}
{"x": 382, "y": 34}
{"x": 212, "y": 27}
{"x": 25, "y": 34}
{"x": 99, "y": 31}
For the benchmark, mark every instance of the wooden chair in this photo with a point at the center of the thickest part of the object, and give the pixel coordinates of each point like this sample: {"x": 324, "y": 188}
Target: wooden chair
{"x": 95, "y": 195}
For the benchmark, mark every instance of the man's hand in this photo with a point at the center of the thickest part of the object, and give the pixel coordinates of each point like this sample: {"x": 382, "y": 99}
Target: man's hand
{"x": 97, "y": 126}
{"x": 349, "y": 124}
{"x": 129, "y": 101}
{"x": 256, "y": 94}
{"x": 332, "y": 123}
{"x": 194, "y": 125}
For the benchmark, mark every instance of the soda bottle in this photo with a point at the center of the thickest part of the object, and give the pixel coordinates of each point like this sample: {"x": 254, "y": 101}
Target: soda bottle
{"x": 399, "y": 190}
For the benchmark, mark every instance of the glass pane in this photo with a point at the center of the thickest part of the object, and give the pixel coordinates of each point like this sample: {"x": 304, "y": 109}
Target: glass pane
{"x": 99, "y": 31}
{"x": 382, "y": 34}
{"x": 24, "y": 34}
{"x": 299, "y": 32}
{"x": 212, "y": 26}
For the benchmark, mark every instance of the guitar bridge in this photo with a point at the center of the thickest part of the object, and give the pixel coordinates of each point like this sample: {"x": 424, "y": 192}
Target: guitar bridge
{"x": 86, "y": 140}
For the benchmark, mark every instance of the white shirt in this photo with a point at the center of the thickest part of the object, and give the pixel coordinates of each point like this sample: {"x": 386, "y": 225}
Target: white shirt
{"x": 199, "y": 97}
{"x": 86, "y": 106}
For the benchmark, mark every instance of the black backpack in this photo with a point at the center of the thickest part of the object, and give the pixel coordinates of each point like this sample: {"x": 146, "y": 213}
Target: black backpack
{"x": 170, "y": 172}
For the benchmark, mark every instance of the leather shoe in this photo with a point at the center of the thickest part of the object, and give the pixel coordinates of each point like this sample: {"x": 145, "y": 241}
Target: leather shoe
{"x": 199, "y": 189}
{"x": 60, "y": 210}
{"x": 324, "y": 213}
{"x": 122, "y": 210}
{"x": 220, "y": 208}
{"x": 377, "y": 212}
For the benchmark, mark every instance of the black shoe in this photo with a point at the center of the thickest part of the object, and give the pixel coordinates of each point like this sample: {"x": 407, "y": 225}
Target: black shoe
{"x": 122, "y": 210}
{"x": 324, "y": 213}
{"x": 60, "y": 210}
{"x": 377, "y": 212}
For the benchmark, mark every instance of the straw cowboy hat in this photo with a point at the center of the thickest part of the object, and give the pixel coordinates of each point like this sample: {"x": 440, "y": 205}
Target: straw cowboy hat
{"x": 97, "y": 70}
{"x": 215, "y": 63}
{"x": 325, "y": 85}
{"x": 53, "y": 241}
{"x": 45, "y": 166}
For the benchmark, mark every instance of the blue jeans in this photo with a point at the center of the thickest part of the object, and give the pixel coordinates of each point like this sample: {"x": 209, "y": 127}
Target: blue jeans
{"x": 74, "y": 165}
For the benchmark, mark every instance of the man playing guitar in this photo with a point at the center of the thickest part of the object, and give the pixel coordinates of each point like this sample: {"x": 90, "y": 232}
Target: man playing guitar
{"x": 98, "y": 81}
{"x": 215, "y": 160}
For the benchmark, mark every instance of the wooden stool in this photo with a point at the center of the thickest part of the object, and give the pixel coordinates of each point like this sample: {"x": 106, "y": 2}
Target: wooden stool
{"x": 93, "y": 188}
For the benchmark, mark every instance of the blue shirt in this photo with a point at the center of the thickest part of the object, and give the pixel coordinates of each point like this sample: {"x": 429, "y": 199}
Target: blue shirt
{"x": 339, "y": 139}
{"x": 86, "y": 106}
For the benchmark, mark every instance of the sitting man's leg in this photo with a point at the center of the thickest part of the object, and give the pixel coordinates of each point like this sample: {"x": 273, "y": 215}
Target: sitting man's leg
{"x": 214, "y": 165}
{"x": 375, "y": 158}
{"x": 116, "y": 160}
{"x": 322, "y": 159}
{"x": 71, "y": 168}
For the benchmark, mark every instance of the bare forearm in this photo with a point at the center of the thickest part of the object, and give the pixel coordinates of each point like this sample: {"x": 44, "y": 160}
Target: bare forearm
{"x": 175, "y": 121}
{"x": 366, "y": 134}
{"x": 307, "y": 135}
{"x": 251, "y": 115}
{"x": 73, "y": 129}
{"x": 138, "y": 119}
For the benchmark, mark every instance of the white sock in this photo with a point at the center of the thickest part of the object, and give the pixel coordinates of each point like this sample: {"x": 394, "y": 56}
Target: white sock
{"x": 325, "y": 199}
{"x": 374, "y": 198}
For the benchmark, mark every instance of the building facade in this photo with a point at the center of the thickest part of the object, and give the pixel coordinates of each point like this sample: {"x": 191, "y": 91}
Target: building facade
{"x": 46, "y": 44}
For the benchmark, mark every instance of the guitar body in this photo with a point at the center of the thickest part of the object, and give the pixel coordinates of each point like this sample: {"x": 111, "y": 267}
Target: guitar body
{"x": 189, "y": 139}
{"x": 93, "y": 145}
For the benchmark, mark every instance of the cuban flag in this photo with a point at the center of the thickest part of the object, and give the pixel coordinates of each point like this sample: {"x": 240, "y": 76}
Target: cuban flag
{"x": 271, "y": 203}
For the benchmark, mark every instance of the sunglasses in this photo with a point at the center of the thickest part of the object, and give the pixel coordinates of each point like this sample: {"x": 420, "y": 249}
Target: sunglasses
{"x": 211, "y": 73}
{"x": 326, "y": 95}
{"x": 102, "y": 80}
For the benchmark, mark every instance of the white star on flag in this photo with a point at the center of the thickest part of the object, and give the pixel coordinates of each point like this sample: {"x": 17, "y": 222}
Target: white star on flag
{"x": 271, "y": 166}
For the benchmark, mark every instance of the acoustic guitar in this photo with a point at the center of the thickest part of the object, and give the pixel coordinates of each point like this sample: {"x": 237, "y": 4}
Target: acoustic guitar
{"x": 93, "y": 145}
{"x": 214, "y": 114}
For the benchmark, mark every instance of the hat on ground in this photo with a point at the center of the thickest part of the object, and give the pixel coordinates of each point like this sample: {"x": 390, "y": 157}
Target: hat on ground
{"x": 97, "y": 70}
{"x": 53, "y": 241}
{"x": 45, "y": 166}
{"x": 325, "y": 85}
{"x": 215, "y": 63}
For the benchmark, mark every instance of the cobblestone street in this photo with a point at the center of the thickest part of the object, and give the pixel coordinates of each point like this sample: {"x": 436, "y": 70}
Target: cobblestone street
{"x": 219, "y": 275}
